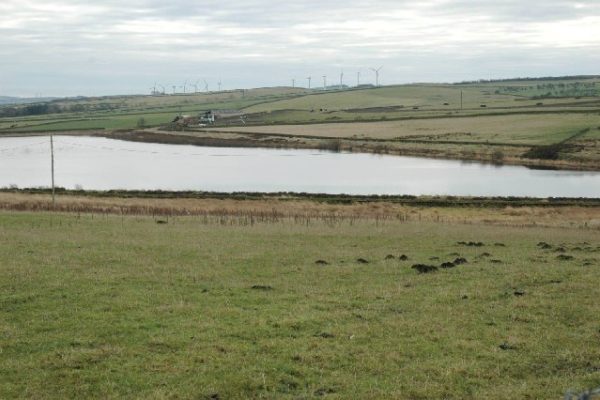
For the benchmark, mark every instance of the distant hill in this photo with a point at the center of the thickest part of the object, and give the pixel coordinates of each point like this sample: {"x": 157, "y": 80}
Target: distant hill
{"x": 6, "y": 100}
{"x": 543, "y": 78}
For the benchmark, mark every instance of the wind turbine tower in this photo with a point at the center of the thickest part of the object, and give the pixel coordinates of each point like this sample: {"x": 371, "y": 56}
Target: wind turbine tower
{"x": 293, "y": 83}
{"x": 205, "y": 86}
{"x": 358, "y": 79}
{"x": 220, "y": 83}
{"x": 309, "y": 79}
{"x": 342, "y": 80}
{"x": 324, "y": 82}
{"x": 376, "y": 70}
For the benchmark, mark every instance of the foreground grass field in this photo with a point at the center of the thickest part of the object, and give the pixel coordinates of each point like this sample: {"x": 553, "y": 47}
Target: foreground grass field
{"x": 222, "y": 306}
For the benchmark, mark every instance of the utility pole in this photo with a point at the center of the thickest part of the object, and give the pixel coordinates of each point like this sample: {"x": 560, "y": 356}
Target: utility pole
{"x": 461, "y": 99}
{"x": 52, "y": 168}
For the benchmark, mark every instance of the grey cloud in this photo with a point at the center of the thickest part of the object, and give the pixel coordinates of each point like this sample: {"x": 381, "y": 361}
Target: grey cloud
{"x": 109, "y": 46}
{"x": 518, "y": 11}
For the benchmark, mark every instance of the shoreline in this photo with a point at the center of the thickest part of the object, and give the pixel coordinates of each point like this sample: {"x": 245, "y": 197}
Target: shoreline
{"x": 341, "y": 199}
{"x": 235, "y": 139}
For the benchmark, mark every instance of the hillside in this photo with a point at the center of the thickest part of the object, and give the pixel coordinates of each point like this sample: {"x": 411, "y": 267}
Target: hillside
{"x": 542, "y": 122}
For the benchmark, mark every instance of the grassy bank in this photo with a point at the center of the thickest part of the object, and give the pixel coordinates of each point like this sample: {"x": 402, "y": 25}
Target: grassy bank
{"x": 574, "y": 138}
{"x": 491, "y": 153}
{"x": 67, "y": 196}
{"x": 111, "y": 306}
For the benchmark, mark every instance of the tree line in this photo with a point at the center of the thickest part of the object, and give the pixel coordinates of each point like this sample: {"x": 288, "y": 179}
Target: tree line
{"x": 51, "y": 108}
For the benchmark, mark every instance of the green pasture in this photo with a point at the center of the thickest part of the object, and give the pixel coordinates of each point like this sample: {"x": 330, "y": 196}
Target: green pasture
{"x": 96, "y": 306}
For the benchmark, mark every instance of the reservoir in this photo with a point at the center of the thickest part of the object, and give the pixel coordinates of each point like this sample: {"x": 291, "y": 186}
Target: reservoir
{"x": 103, "y": 164}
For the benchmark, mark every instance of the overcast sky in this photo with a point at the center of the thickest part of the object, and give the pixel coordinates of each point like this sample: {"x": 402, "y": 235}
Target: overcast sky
{"x": 75, "y": 47}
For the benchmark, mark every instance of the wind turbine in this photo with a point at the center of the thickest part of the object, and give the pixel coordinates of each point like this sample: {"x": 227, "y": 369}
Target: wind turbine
{"x": 324, "y": 82}
{"x": 205, "y": 85}
{"x": 376, "y": 70}
{"x": 220, "y": 83}
{"x": 342, "y": 80}
{"x": 358, "y": 79}
{"x": 309, "y": 79}
{"x": 293, "y": 83}
{"x": 184, "y": 86}
{"x": 154, "y": 89}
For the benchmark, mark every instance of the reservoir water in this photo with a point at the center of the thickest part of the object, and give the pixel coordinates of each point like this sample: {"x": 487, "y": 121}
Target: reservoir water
{"x": 103, "y": 164}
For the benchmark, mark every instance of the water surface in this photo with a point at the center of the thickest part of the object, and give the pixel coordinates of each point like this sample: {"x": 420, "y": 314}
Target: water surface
{"x": 103, "y": 164}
